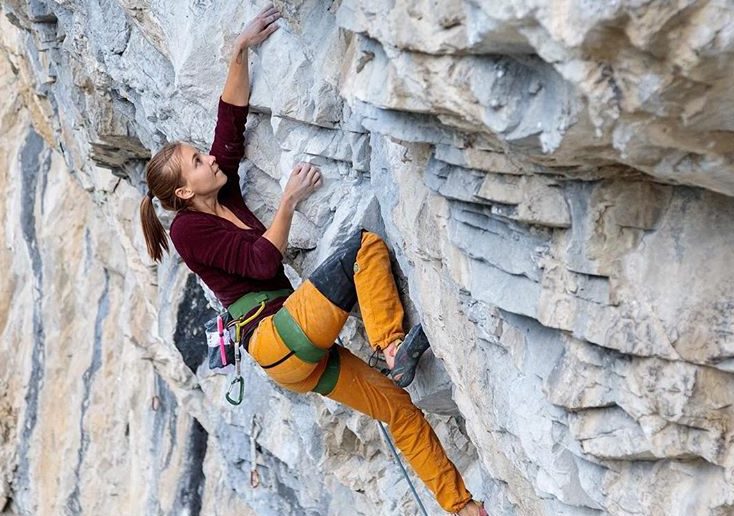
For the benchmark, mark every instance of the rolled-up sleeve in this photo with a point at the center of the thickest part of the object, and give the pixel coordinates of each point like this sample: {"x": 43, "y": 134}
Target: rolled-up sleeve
{"x": 229, "y": 138}
{"x": 233, "y": 251}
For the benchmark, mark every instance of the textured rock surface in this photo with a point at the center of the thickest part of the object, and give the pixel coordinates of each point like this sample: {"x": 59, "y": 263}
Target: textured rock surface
{"x": 555, "y": 180}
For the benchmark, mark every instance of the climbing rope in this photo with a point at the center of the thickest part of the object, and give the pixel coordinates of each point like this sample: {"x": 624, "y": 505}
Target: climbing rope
{"x": 405, "y": 473}
{"x": 390, "y": 444}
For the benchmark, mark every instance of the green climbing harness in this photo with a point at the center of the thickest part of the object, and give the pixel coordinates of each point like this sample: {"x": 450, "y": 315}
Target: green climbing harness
{"x": 238, "y": 311}
{"x": 232, "y": 323}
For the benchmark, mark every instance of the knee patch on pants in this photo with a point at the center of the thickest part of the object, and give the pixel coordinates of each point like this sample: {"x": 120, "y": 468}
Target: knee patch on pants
{"x": 335, "y": 277}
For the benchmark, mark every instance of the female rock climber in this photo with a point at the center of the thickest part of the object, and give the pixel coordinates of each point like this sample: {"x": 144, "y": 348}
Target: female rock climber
{"x": 292, "y": 337}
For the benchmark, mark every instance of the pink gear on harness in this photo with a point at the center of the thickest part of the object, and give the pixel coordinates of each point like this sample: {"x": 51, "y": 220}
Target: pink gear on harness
{"x": 220, "y": 329}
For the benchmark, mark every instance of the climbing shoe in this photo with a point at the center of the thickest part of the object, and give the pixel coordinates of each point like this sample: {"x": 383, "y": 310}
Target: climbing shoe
{"x": 407, "y": 356}
{"x": 480, "y": 505}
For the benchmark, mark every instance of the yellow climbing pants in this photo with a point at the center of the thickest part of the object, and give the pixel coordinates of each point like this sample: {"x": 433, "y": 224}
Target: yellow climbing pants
{"x": 360, "y": 386}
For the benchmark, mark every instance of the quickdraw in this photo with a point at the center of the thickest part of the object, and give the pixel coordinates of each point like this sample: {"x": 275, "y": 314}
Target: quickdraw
{"x": 238, "y": 383}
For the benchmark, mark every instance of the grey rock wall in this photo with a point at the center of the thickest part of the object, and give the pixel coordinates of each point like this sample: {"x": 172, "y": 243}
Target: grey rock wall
{"x": 555, "y": 180}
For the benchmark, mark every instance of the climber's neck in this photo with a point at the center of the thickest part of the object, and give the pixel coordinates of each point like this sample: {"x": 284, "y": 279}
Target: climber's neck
{"x": 207, "y": 205}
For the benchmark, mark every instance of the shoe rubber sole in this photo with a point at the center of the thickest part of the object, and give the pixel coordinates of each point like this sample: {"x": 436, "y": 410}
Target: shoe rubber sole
{"x": 408, "y": 356}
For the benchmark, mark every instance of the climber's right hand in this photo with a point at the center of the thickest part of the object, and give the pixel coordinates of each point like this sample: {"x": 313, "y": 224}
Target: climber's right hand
{"x": 259, "y": 28}
{"x": 303, "y": 181}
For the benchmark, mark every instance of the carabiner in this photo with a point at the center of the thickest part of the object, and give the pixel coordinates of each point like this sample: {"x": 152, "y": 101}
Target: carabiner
{"x": 241, "y": 381}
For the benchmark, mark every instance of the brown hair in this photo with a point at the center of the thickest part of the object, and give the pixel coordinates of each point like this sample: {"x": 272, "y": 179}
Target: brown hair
{"x": 163, "y": 175}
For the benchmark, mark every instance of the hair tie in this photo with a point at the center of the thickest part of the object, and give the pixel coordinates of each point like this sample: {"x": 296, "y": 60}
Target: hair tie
{"x": 150, "y": 195}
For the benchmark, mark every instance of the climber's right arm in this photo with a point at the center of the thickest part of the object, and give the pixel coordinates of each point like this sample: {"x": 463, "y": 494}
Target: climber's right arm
{"x": 229, "y": 140}
{"x": 237, "y": 86}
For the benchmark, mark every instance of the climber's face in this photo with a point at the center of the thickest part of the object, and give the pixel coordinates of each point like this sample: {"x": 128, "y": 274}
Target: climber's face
{"x": 200, "y": 173}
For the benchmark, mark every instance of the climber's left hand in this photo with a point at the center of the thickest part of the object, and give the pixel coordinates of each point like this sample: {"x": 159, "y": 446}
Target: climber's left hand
{"x": 259, "y": 28}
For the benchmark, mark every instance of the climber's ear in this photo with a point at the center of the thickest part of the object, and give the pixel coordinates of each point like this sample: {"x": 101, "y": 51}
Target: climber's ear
{"x": 183, "y": 192}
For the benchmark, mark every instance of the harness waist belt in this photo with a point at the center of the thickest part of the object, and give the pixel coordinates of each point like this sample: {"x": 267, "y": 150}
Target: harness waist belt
{"x": 251, "y": 300}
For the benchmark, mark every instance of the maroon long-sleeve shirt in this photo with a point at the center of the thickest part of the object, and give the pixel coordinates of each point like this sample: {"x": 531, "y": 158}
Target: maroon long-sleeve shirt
{"x": 231, "y": 261}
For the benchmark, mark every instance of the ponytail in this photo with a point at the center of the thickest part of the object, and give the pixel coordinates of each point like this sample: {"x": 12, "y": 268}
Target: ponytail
{"x": 155, "y": 235}
{"x": 163, "y": 175}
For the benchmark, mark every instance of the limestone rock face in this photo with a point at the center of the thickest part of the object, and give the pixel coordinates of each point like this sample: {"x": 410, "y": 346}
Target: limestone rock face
{"x": 555, "y": 180}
